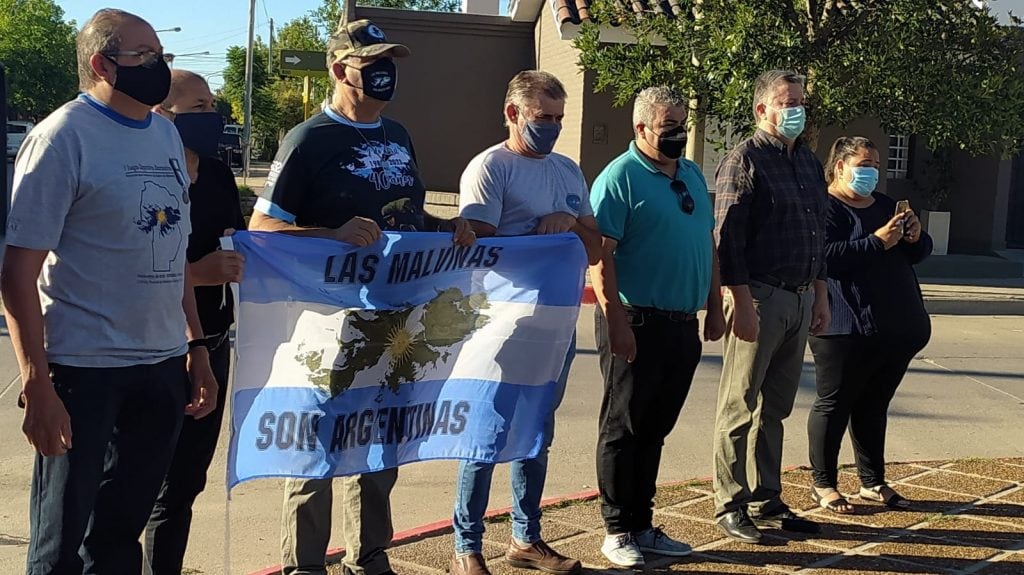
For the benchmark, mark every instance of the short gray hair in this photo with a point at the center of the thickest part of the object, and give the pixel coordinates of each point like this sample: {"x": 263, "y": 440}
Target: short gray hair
{"x": 100, "y": 35}
{"x": 647, "y": 102}
{"x": 768, "y": 81}
{"x": 526, "y": 87}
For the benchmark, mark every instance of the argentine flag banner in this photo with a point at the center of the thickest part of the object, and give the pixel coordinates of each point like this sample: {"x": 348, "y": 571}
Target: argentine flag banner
{"x": 350, "y": 360}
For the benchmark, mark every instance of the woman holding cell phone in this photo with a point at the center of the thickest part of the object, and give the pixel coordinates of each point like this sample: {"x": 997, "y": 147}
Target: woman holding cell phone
{"x": 878, "y": 323}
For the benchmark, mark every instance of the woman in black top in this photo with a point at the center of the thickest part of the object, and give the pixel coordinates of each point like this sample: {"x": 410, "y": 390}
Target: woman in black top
{"x": 878, "y": 323}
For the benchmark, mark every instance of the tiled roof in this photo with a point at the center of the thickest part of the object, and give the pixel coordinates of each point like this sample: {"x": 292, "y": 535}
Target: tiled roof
{"x": 578, "y": 11}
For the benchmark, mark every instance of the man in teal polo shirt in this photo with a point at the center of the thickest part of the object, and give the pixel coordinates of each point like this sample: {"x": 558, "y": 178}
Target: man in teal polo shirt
{"x": 657, "y": 269}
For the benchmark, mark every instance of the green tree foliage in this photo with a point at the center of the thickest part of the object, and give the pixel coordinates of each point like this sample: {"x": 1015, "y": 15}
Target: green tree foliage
{"x": 302, "y": 33}
{"x": 223, "y": 106}
{"x": 939, "y": 69}
{"x": 37, "y": 47}
{"x": 427, "y": 5}
{"x": 265, "y": 112}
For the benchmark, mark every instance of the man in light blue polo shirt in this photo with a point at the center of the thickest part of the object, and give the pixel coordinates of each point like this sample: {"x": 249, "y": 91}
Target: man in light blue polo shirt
{"x": 657, "y": 269}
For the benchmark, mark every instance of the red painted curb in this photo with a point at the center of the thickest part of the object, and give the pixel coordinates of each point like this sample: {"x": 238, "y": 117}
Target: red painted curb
{"x": 589, "y": 297}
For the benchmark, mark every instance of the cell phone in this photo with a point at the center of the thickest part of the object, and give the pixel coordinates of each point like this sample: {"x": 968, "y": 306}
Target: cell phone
{"x": 901, "y": 207}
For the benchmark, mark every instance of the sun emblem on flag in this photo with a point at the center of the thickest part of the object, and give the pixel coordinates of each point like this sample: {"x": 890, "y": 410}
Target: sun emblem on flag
{"x": 400, "y": 343}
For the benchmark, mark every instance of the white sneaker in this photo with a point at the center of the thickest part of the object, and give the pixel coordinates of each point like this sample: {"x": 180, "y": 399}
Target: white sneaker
{"x": 622, "y": 550}
{"x": 655, "y": 541}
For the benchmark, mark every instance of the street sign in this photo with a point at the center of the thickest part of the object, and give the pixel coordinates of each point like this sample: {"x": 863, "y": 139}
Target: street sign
{"x": 303, "y": 63}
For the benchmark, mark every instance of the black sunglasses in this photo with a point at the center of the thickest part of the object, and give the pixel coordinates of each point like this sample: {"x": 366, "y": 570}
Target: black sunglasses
{"x": 685, "y": 199}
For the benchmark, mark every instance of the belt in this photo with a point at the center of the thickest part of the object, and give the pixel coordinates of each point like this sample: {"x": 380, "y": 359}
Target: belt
{"x": 678, "y": 316}
{"x": 777, "y": 283}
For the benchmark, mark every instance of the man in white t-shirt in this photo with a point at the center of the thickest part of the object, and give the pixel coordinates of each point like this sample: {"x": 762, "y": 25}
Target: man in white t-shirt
{"x": 100, "y": 304}
{"x": 515, "y": 188}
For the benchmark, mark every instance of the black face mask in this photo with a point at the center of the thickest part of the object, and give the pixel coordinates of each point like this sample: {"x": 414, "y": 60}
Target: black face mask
{"x": 147, "y": 86}
{"x": 200, "y": 131}
{"x": 672, "y": 143}
{"x": 379, "y": 79}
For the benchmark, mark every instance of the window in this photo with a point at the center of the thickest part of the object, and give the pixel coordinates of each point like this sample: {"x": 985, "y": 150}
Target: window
{"x": 899, "y": 157}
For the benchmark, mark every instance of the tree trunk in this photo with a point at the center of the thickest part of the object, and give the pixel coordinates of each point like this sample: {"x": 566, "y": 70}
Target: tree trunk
{"x": 812, "y": 130}
{"x": 695, "y": 135}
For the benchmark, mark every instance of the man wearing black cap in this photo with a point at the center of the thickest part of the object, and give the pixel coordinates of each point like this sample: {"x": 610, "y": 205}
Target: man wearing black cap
{"x": 346, "y": 174}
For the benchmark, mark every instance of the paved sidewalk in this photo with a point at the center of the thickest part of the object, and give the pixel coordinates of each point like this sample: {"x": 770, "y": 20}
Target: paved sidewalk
{"x": 968, "y": 518}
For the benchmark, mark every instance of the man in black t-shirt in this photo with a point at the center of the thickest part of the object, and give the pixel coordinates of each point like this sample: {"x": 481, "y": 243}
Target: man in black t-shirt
{"x": 215, "y": 212}
{"x": 346, "y": 174}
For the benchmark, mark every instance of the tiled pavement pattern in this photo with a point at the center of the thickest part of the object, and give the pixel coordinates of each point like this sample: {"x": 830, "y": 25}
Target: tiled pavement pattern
{"x": 968, "y": 518}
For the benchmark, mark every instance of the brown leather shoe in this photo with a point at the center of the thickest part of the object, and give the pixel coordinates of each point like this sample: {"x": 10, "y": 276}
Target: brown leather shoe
{"x": 541, "y": 557}
{"x": 469, "y": 565}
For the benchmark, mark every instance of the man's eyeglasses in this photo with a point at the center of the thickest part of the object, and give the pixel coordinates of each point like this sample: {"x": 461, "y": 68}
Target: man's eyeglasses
{"x": 146, "y": 59}
{"x": 685, "y": 199}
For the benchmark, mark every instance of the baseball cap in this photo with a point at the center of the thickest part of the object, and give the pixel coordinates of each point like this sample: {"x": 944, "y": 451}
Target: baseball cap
{"x": 361, "y": 38}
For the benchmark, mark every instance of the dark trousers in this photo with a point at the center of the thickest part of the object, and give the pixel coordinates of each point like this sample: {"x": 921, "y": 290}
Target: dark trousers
{"x": 171, "y": 519}
{"x": 857, "y": 377}
{"x": 642, "y": 401}
{"x": 89, "y": 507}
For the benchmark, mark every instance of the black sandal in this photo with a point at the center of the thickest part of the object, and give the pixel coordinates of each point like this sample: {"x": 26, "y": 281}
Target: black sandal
{"x": 893, "y": 501}
{"x": 836, "y": 505}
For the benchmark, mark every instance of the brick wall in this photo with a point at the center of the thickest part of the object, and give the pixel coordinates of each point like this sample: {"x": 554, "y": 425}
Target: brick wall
{"x": 558, "y": 57}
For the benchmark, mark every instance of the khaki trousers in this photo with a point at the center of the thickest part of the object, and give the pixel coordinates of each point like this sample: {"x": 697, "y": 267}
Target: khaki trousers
{"x": 756, "y": 393}
{"x": 365, "y": 523}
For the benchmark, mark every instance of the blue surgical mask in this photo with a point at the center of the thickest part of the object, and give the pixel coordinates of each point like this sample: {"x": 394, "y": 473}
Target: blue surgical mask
{"x": 791, "y": 122}
{"x": 864, "y": 181}
{"x": 540, "y": 137}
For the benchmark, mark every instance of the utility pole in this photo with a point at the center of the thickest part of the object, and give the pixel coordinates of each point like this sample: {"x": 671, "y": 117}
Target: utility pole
{"x": 270, "y": 54}
{"x": 247, "y": 123}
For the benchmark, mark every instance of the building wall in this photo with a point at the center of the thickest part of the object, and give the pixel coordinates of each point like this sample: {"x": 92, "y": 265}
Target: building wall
{"x": 450, "y": 91}
{"x": 972, "y": 204}
{"x": 606, "y": 132}
{"x": 977, "y": 202}
{"x": 559, "y": 57}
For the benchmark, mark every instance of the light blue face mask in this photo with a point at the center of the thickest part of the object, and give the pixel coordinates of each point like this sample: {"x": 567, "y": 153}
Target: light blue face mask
{"x": 791, "y": 122}
{"x": 864, "y": 181}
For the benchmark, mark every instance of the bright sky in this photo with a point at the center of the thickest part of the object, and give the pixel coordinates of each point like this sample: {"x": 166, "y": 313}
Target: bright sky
{"x": 206, "y": 25}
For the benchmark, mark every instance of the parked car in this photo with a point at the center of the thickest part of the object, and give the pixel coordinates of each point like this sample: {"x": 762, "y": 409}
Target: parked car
{"x": 16, "y": 132}
{"x": 233, "y": 129}
{"x": 230, "y": 150}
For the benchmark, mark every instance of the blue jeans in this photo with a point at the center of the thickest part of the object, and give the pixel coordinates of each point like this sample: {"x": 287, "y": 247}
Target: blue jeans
{"x": 89, "y": 507}
{"x": 528, "y": 475}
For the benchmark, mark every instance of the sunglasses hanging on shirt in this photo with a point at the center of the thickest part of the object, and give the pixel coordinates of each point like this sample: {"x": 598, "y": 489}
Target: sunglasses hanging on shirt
{"x": 685, "y": 199}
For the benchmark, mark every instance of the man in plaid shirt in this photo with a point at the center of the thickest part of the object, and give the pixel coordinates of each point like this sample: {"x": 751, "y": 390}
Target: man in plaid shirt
{"x": 770, "y": 208}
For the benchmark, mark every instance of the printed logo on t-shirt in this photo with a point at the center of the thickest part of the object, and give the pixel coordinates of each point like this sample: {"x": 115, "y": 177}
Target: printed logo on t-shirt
{"x": 386, "y": 166}
{"x": 160, "y": 216}
{"x": 573, "y": 201}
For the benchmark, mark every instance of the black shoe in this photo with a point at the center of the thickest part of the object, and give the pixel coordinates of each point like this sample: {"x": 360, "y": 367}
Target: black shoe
{"x": 783, "y": 518}
{"x": 737, "y": 525}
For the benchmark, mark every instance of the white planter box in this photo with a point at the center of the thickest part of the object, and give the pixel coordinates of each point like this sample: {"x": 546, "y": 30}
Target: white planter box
{"x": 937, "y": 226}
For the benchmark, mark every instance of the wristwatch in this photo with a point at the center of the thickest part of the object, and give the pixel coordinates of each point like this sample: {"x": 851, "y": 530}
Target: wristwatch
{"x": 201, "y": 342}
